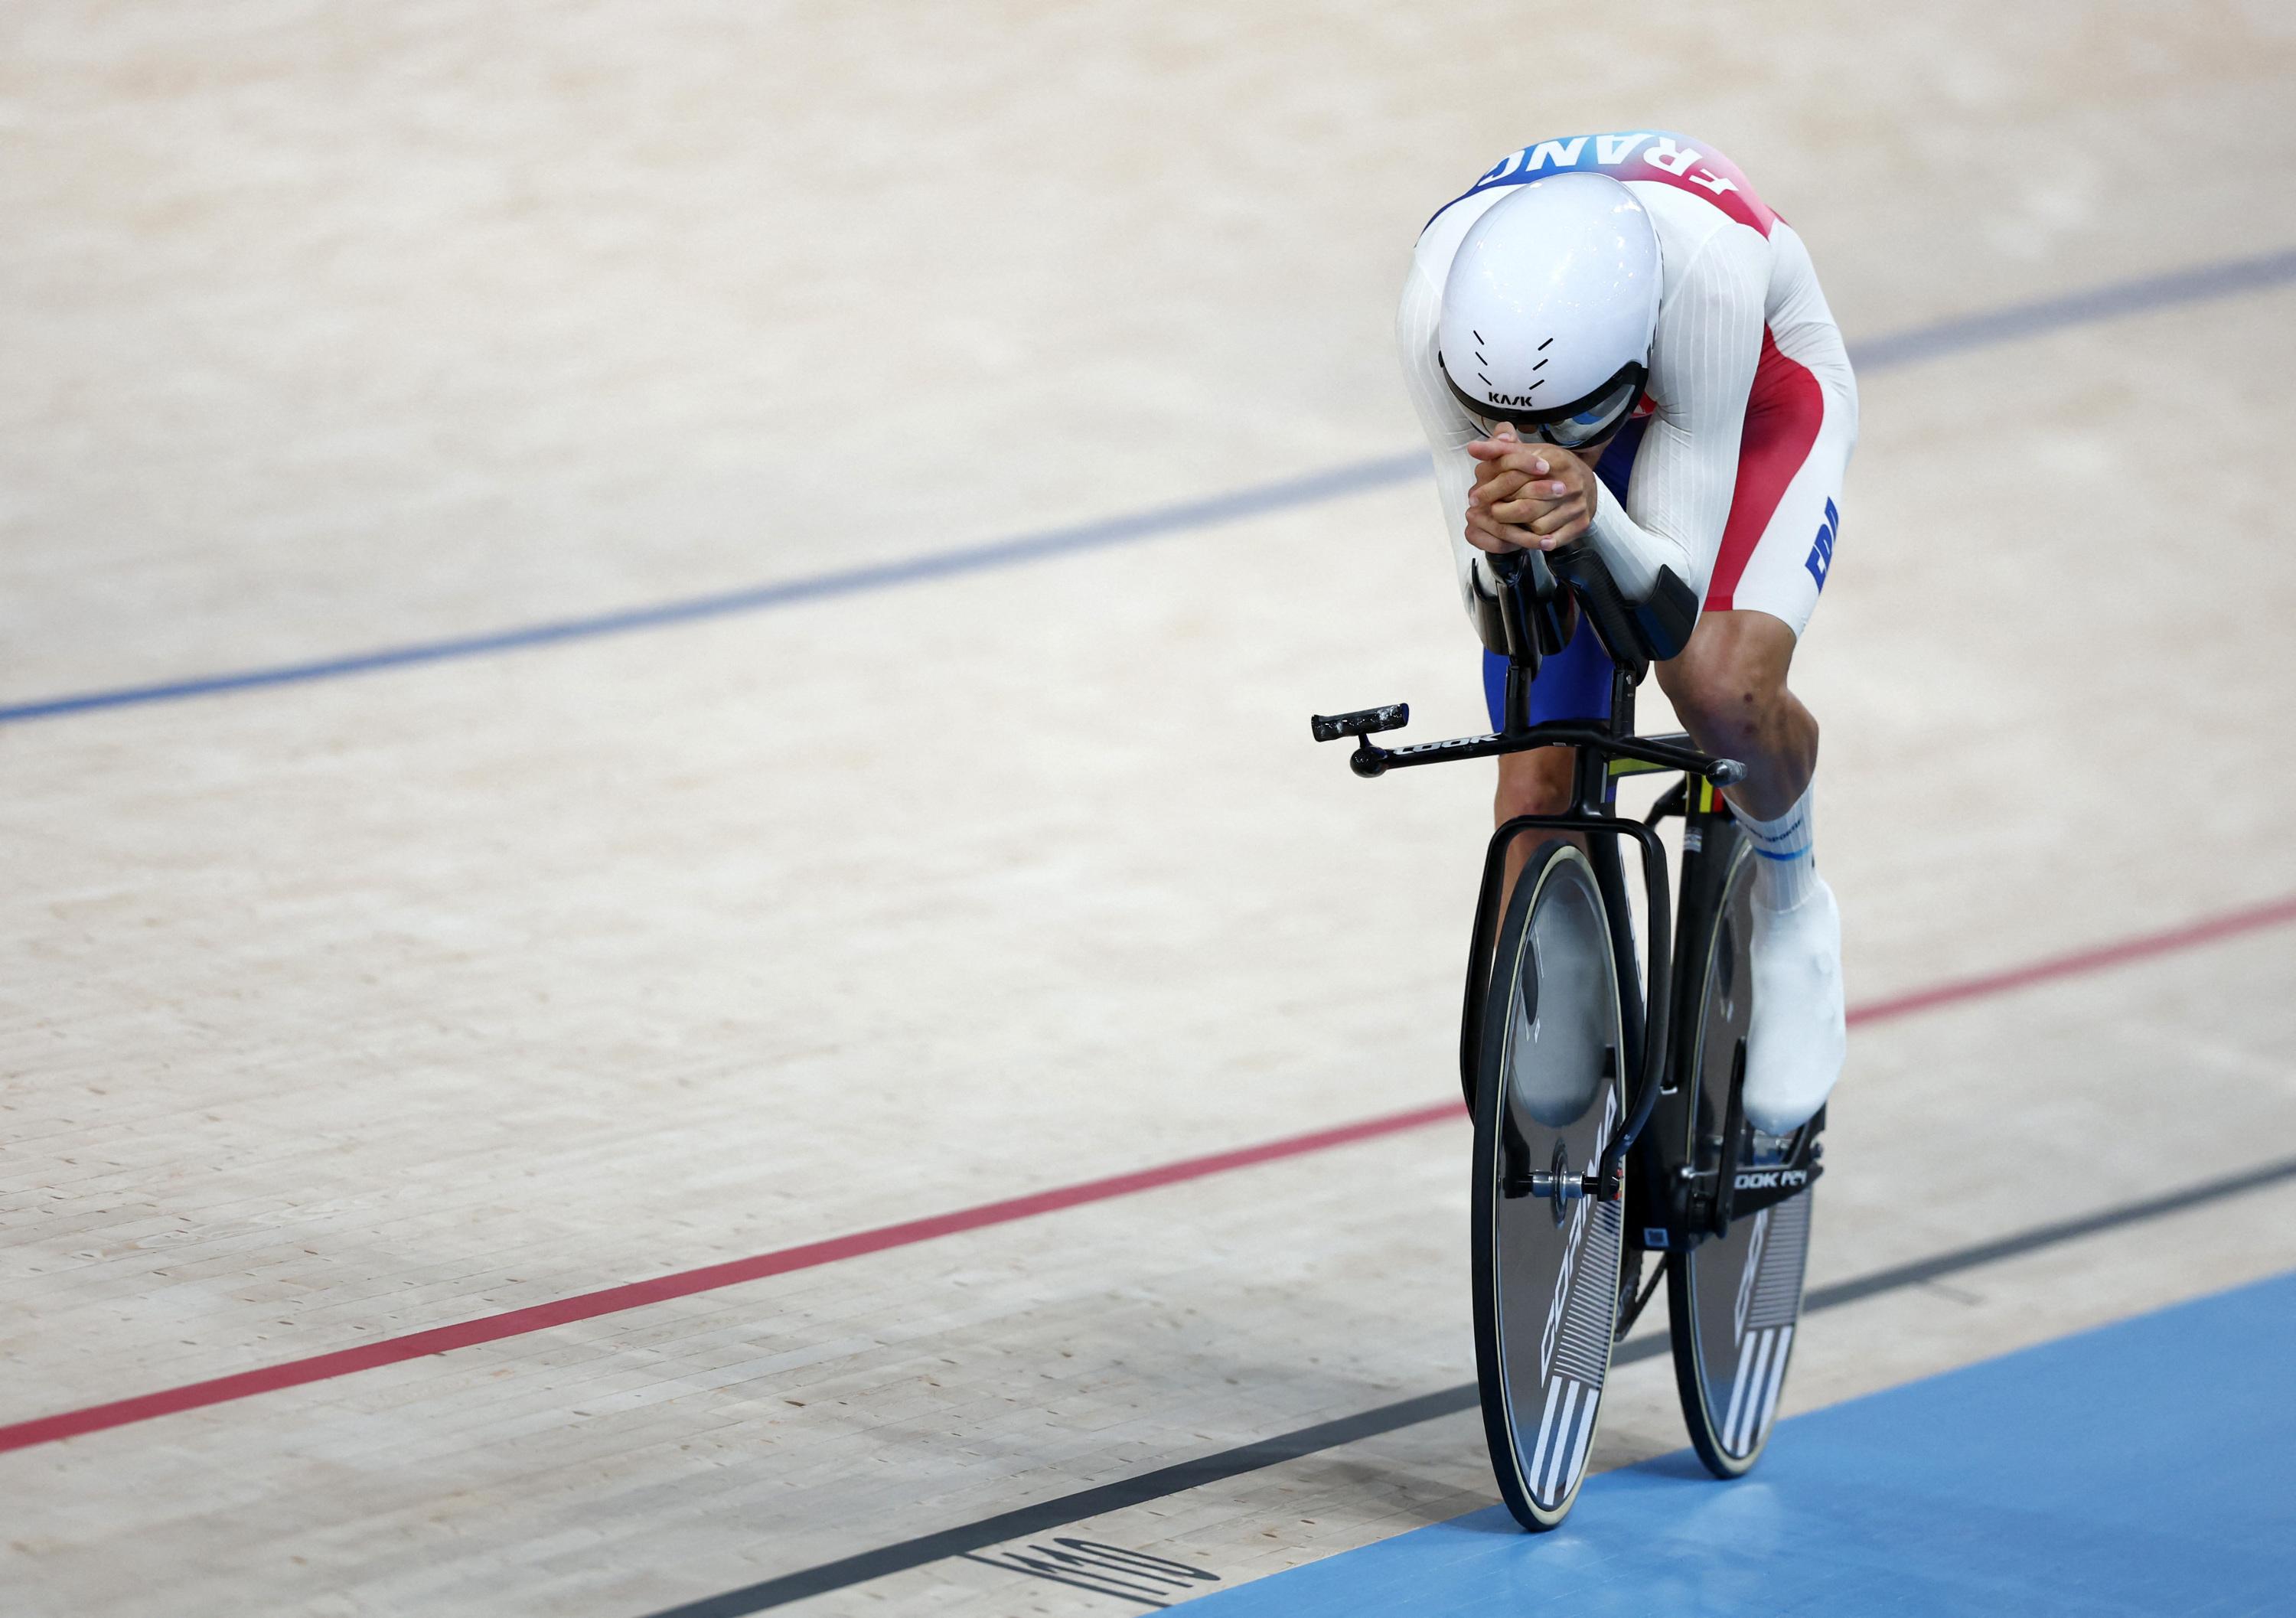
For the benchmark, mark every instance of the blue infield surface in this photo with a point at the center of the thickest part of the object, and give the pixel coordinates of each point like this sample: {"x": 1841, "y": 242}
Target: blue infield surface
{"x": 2146, "y": 1467}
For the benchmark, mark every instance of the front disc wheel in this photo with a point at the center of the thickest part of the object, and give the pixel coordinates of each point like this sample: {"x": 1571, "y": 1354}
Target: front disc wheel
{"x": 1546, "y": 1255}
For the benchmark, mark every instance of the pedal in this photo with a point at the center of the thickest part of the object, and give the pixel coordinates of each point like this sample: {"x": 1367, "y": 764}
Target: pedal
{"x": 1363, "y": 722}
{"x": 1778, "y": 1166}
{"x": 1767, "y": 1151}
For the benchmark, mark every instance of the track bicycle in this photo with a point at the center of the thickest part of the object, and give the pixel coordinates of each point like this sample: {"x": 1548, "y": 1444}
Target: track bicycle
{"x": 1579, "y": 1174}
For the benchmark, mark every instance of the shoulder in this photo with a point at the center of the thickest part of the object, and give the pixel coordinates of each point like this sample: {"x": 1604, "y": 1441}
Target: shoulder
{"x": 1699, "y": 245}
{"x": 1438, "y": 240}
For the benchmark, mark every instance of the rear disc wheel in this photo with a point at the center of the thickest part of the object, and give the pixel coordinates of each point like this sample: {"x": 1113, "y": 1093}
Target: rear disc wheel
{"x": 1734, "y": 1299}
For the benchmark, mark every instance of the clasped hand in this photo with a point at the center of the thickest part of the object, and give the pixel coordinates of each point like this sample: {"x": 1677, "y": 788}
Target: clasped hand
{"x": 1527, "y": 497}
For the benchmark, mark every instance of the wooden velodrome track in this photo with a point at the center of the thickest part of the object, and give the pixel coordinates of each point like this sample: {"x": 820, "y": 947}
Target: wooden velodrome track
{"x": 802, "y": 929}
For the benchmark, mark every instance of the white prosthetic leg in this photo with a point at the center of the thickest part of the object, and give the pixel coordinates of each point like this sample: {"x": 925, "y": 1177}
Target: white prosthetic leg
{"x": 1795, "y": 1045}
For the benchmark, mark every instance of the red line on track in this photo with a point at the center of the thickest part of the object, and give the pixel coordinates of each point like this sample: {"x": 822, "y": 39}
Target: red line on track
{"x": 636, "y": 1295}
{"x": 2207, "y": 930}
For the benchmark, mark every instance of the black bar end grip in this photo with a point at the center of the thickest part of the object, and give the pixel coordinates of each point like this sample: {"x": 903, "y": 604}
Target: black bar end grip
{"x": 1589, "y": 577}
{"x": 1525, "y": 620}
{"x": 1490, "y": 622}
{"x": 1331, "y": 727}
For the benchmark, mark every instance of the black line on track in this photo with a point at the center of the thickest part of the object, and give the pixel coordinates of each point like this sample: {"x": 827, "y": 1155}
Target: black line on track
{"x": 1177, "y": 1479}
{"x": 1068, "y": 1508}
{"x": 2046, "y": 1236}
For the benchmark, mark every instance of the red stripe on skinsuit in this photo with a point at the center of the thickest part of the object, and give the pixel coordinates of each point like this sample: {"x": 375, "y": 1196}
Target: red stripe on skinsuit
{"x": 1783, "y": 413}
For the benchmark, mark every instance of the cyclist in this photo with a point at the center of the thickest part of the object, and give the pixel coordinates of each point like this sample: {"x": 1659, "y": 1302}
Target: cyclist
{"x": 1612, "y": 342}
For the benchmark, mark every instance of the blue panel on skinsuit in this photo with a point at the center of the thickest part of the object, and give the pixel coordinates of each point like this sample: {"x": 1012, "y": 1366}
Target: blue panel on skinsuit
{"x": 2146, "y": 1467}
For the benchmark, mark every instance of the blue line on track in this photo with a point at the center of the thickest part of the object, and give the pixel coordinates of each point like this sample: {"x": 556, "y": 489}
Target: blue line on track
{"x": 2022, "y": 320}
{"x": 2139, "y": 1469}
{"x": 1304, "y": 490}
{"x": 1927, "y": 343}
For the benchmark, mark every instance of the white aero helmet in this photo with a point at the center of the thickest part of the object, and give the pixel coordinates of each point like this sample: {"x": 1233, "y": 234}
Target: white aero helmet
{"x": 1550, "y": 307}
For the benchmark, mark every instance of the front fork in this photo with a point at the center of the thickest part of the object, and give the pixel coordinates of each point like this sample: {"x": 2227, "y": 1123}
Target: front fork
{"x": 1645, "y": 1015}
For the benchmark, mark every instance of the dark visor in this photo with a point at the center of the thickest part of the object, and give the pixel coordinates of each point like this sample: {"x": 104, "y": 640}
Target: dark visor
{"x": 1580, "y": 422}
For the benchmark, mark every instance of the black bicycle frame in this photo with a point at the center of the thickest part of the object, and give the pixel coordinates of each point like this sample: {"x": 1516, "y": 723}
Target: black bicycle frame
{"x": 1528, "y": 618}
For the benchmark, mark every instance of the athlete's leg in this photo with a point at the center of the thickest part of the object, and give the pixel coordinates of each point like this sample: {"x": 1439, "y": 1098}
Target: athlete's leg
{"x": 1728, "y": 688}
{"x": 1533, "y": 783}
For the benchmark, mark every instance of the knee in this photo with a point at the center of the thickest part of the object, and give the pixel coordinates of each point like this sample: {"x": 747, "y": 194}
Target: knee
{"x": 1720, "y": 709}
{"x": 1726, "y": 693}
{"x": 1534, "y": 783}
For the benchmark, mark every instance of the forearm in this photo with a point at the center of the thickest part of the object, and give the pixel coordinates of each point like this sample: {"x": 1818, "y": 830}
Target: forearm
{"x": 1636, "y": 552}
